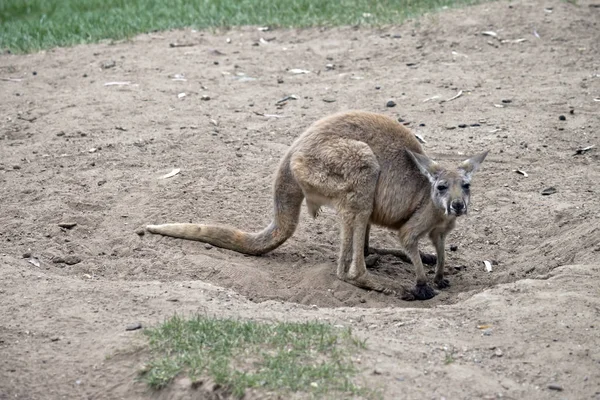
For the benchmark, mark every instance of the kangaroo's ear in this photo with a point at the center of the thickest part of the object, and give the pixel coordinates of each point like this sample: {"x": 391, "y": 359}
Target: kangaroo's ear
{"x": 472, "y": 164}
{"x": 427, "y": 166}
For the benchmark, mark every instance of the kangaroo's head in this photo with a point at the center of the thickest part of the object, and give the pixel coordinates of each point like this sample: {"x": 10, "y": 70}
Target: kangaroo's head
{"x": 450, "y": 189}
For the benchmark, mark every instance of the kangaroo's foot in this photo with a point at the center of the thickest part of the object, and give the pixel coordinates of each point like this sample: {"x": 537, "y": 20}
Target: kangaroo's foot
{"x": 441, "y": 283}
{"x": 420, "y": 292}
{"x": 369, "y": 282}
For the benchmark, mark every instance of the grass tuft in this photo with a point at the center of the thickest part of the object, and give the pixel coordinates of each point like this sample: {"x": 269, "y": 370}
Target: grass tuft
{"x": 32, "y": 25}
{"x": 238, "y": 355}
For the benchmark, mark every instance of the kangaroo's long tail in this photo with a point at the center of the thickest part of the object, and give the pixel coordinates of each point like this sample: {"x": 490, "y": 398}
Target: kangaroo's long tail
{"x": 288, "y": 198}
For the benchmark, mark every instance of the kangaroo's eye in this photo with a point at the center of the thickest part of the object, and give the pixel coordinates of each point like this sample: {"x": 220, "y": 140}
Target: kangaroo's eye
{"x": 466, "y": 186}
{"x": 441, "y": 187}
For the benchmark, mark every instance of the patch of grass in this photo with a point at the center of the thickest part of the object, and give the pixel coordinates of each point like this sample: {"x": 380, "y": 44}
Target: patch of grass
{"x": 309, "y": 357}
{"x": 30, "y": 25}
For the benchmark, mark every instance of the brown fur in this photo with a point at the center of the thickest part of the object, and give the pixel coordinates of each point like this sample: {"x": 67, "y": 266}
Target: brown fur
{"x": 372, "y": 170}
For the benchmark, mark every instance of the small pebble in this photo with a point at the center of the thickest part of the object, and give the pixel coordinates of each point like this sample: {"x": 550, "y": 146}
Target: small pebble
{"x": 554, "y": 386}
{"x": 506, "y": 101}
{"x": 453, "y": 247}
{"x": 16, "y": 167}
{"x": 208, "y": 246}
{"x": 548, "y": 191}
{"x": 133, "y": 327}
{"x": 72, "y": 260}
{"x": 462, "y": 125}
{"x": 67, "y": 225}
{"x": 377, "y": 87}
{"x": 390, "y": 103}
{"x": 562, "y": 118}
{"x": 205, "y": 97}
{"x": 140, "y": 231}
{"x": 26, "y": 255}
{"x": 34, "y": 73}
{"x": 329, "y": 100}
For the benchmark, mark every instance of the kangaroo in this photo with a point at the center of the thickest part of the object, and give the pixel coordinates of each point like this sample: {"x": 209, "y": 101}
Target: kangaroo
{"x": 371, "y": 170}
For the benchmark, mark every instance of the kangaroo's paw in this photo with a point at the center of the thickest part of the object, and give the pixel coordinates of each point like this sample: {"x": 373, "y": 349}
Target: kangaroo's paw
{"x": 367, "y": 281}
{"x": 420, "y": 292}
{"x": 442, "y": 283}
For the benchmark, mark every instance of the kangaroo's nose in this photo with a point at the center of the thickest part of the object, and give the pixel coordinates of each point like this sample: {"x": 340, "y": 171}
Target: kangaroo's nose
{"x": 457, "y": 205}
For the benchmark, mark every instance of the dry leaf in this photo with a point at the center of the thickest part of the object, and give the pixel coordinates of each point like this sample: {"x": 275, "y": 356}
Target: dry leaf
{"x": 488, "y": 265}
{"x": 298, "y": 71}
{"x": 117, "y": 83}
{"x": 518, "y": 171}
{"x": 171, "y": 174}
{"x": 420, "y": 138}
{"x": 34, "y": 261}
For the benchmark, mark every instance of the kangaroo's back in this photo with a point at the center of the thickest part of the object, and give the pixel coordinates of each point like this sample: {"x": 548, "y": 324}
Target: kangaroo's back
{"x": 401, "y": 188}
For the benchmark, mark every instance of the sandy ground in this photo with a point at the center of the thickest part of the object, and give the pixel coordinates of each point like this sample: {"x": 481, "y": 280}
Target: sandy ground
{"x": 75, "y": 150}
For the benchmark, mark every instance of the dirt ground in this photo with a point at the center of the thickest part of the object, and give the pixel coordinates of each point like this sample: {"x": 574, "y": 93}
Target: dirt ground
{"x": 75, "y": 150}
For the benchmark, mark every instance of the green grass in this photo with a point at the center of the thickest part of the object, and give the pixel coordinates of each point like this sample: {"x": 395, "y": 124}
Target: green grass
{"x": 308, "y": 357}
{"x": 30, "y": 25}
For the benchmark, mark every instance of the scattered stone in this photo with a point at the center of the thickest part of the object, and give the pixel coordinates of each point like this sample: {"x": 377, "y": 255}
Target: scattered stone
{"x": 67, "y": 225}
{"x": 377, "y": 87}
{"x": 329, "y": 67}
{"x": 329, "y": 100}
{"x": 109, "y": 64}
{"x": 26, "y": 255}
{"x": 498, "y": 353}
{"x": 208, "y": 246}
{"x": 562, "y": 118}
{"x": 390, "y": 103}
{"x": 140, "y": 231}
{"x": 475, "y": 125}
{"x": 453, "y": 247}
{"x": 363, "y": 300}
{"x": 554, "y": 386}
{"x": 133, "y": 327}
{"x": 371, "y": 260}
{"x": 72, "y": 260}
{"x": 396, "y": 36}
{"x": 102, "y": 182}
{"x": 34, "y": 73}
{"x": 173, "y": 299}
{"x": 54, "y": 339}
{"x": 450, "y": 127}
{"x": 462, "y": 125}
{"x": 205, "y": 97}
{"x": 506, "y": 101}
{"x": 376, "y": 372}
{"x": 548, "y": 191}
{"x": 16, "y": 167}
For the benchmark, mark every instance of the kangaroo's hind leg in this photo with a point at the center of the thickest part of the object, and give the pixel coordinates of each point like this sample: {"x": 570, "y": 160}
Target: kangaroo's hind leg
{"x": 345, "y": 172}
